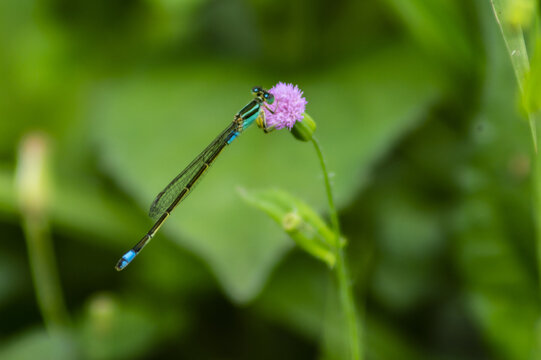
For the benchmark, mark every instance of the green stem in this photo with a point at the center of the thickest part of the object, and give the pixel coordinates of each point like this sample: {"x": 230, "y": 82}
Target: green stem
{"x": 32, "y": 188}
{"x": 334, "y": 214}
{"x": 47, "y": 284}
{"x": 44, "y": 273}
{"x": 341, "y": 270}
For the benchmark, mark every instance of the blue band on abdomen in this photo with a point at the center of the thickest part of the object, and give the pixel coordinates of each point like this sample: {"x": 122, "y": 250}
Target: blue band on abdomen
{"x": 233, "y": 136}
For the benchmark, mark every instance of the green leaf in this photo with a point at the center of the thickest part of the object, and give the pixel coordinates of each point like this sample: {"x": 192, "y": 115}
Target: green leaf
{"x": 115, "y": 329}
{"x": 147, "y": 128}
{"x": 513, "y": 35}
{"x": 532, "y": 84}
{"x": 35, "y": 344}
{"x": 300, "y": 296}
{"x": 499, "y": 290}
{"x": 298, "y": 220}
{"x": 439, "y": 27}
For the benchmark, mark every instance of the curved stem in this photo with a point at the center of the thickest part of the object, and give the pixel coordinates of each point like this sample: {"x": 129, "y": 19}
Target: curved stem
{"x": 341, "y": 270}
{"x": 334, "y": 214}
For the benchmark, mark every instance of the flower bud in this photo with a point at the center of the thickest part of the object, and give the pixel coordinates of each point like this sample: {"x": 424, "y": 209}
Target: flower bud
{"x": 303, "y": 130}
{"x": 291, "y": 221}
{"x": 32, "y": 182}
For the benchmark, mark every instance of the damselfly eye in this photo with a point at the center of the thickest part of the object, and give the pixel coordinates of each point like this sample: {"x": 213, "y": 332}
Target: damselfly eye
{"x": 269, "y": 98}
{"x": 256, "y": 89}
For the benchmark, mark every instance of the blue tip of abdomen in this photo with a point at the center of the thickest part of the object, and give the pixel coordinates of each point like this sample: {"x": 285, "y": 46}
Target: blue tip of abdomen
{"x": 125, "y": 260}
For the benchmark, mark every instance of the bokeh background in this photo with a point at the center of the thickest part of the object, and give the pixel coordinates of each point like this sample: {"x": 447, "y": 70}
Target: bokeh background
{"x": 417, "y": 111}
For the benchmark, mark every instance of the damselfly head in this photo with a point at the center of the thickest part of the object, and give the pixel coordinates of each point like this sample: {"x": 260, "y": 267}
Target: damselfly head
{"x": 263, "y": 94}
{"x": 269, "y": 98}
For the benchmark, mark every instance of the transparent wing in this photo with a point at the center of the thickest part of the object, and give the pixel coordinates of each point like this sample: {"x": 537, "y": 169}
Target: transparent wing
{"x": 190, "y": 175}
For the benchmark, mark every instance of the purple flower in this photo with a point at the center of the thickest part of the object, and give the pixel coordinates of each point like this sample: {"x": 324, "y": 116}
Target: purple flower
{"x": 288, "y": 106}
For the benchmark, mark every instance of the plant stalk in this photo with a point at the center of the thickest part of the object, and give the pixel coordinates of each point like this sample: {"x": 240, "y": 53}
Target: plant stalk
{"x": 341, "y": 270}
{"x": 33, "y": 188}
{"x": 44, "y": 273}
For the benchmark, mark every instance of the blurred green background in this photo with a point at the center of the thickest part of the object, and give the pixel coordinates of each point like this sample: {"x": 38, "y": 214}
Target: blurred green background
{"x": 416, "y": 108}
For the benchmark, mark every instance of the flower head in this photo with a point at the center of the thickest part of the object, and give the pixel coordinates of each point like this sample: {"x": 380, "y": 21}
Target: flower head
{"x": 288, "y": 107}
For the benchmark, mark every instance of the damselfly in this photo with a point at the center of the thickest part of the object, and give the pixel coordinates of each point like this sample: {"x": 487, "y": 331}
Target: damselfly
{"x": 180, "y": 187}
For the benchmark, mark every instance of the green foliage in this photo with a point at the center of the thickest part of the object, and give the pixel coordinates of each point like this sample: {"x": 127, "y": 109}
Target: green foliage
{"x": 122, "y": 119}
{"x": 298, "y": 220}
{"x": 416, "y": 107}
{"x": 532, "y": 83}
{"x": 508, "y": 291}
{"x": 105, "y": 317}
{"x": 514, "y": 18}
